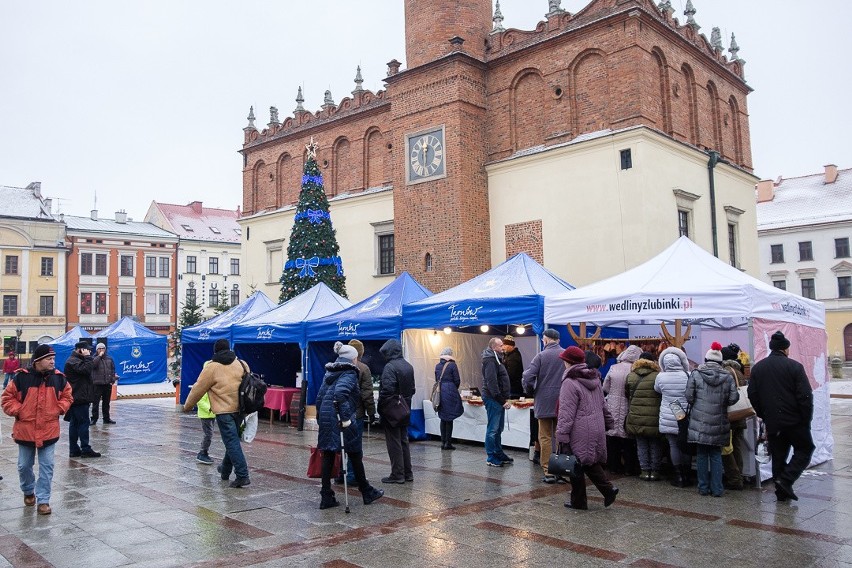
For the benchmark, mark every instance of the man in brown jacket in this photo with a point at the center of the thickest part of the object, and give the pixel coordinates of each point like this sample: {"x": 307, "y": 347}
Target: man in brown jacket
{"x": 221, "y": 379}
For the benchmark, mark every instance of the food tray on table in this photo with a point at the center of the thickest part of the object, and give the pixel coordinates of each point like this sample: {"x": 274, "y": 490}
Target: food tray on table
{"x": 526, "y": 403}
{"x": 474, "y": 401}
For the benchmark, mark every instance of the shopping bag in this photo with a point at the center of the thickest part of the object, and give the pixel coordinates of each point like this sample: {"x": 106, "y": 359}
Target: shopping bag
{"x": 315, "y": 464}
{"x": 742, "y": 408}
{"x": 249, "y": 428}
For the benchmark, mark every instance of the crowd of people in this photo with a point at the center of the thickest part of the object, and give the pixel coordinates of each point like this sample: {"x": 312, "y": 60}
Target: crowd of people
{"x": 629, "y": 422}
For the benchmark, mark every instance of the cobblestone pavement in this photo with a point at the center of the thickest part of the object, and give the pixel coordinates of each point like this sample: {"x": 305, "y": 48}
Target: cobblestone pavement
{"x": 147, "y": 502}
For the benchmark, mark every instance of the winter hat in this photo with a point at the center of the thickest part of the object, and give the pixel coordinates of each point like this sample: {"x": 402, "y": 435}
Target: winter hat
{"x": 592, "y": 360}
{"x": 447, "y": 351}
{"x": 729, "y": 353}
{"x": 648, "y": 356}
{"x": 508, "y": 340}
{"x": 551, "y": 334}
{"x": 359, "y": 347}
{"x": 345, "y": 351}
{"x": 82, "y": 345}
{"x": 778, "y": 342}
{"x": 43, "y": 351}
{"x": 573, "y": 355}
{"x": 100, "y": 346}
{"x": 221, "y": 345}
{"x": 714, "y": 353}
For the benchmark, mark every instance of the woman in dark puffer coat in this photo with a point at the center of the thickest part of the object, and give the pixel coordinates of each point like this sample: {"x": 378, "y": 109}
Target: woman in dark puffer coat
{"x": 337, "y": 403}
{"x": 447, "y": 372}
{"x": 582, "y": 424}
{"x": 643, "y": 417}
{"x": 710, "y": 390}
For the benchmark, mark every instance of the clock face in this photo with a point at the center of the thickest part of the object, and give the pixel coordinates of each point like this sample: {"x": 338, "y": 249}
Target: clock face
{"x": 426, "y": 155}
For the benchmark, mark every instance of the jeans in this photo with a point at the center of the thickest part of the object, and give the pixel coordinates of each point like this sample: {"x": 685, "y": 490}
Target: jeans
{"x": 234, "y": 459}
{"x": 207, "y": 433}
{"x": 7, "y": 379}
{"x": 494, "y": 429}
{"x": 26, "y": 459}
{"x": 103, "y": 394}
{"x": 709, "y": 481}
{"x": 799, "y": 438}
{"x": 649, "y": 449}
{"x": 78, "y": 429}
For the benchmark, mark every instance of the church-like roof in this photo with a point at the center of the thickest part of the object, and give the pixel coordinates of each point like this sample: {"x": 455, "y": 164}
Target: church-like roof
{"x": 807, "y": 200}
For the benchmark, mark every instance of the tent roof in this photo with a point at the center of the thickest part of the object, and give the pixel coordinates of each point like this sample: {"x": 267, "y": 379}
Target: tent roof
{"x": 71, "y": 337}
{"x": 127, "y": 327}
{"x": 376, "y": 317}
{"x": 219, "y": 326}
{"x": 682, "y": 282}
{"x": 510, "y": 293}
{"x": 286, "y": 323}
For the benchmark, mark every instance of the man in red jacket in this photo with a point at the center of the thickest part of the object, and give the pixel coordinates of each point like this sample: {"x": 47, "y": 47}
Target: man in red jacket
{"x": 37, "y": 396}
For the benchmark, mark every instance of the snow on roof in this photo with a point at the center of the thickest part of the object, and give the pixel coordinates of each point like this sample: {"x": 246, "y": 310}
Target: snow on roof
{"x": 807, "y": 200}
{"x": 22, "y": 202}
{"x": 195, "y": 222}
{"x": 112, "y": 226}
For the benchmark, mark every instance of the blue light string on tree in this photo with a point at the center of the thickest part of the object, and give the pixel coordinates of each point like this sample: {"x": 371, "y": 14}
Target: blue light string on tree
{"x": 314, "y": 216}
{"x": 307, "y": 178}
{"x": 306, "y": 266}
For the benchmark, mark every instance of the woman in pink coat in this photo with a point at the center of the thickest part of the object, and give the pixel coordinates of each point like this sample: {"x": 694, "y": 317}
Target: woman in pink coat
{"x": 581, "y": 426}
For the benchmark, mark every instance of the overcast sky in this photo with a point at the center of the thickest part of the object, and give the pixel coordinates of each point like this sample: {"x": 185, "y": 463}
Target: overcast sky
{"x": 146, "y": 100}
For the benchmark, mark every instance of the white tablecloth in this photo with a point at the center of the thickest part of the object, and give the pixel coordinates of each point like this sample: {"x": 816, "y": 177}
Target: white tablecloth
{"x": 471, "y": 425}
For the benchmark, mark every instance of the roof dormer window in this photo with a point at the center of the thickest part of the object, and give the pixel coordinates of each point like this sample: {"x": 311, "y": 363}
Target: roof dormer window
{"x": 215, "y": 231}
{"x": 187, "y": 228}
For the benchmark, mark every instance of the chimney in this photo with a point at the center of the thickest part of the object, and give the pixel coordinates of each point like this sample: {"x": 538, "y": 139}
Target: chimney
{"x": 830, "y": 173}
{"x": 765, "y": 190}
{"x": 94, "y": 215}
{"x": 196, "y": 207}
{"x": 121, "y": 216}
{"x": 35, "y": 187}
{"x": 48, "y": 204}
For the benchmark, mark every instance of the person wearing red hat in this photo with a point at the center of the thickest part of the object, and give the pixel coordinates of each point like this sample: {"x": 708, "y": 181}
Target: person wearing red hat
{"x": 581, "y": 426}
{"x": 36, "y": 397}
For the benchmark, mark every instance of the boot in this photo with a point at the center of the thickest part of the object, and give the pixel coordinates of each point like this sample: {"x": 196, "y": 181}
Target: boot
{"x": 537, "y": 458}
{"x": 654, "y": 476}
{"x": 645, "y": 475}
{"x": 677, "y": 479}
{"x": 371, "y": 494}
{"x": 328, "y": 500}
{"x": 686, "y": 473}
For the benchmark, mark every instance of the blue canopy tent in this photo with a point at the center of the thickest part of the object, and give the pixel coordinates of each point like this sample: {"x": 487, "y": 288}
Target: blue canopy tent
{"x": 372, "y": 321}
{"x": 510, "y": 294}
{"x": 197, "y": 341}
{"x": 64, "y": 344}
{"x": 273, "y": 343}
{"x": 140, "y": 354}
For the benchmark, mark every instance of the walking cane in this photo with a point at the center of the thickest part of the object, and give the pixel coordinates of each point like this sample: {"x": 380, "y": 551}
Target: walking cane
{"x": 342, "y": 457}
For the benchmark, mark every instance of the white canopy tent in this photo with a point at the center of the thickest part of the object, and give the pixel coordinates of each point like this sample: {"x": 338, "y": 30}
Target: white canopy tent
{"x": 686, "y": 282}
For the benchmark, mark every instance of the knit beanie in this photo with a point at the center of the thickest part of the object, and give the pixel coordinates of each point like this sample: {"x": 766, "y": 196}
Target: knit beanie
{"x": 592, "y": 360}
{"x": 714, "y": 353}
{"x": 573, "y": 355}
{"x": 221, "y": 345}
{"x": 43, "y": 351}
{"x": 778, "y": 342}
{"x": 359, "y": 347}
{"x": 345, "y": 351}
{"x": 730, "y": 352}
{"x": 447, "y": 351}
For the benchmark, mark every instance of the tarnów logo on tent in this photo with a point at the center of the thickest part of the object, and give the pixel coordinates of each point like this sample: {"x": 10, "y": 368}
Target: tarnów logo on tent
{"x": 204, "y": 334}
{"x": 466, "y": 313}
{"x": 136, "y": 351}
{"x": 347, "y": 329}
{"x": 265, "y": 332}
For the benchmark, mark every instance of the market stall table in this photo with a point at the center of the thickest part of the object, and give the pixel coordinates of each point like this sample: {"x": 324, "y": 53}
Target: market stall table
{"x": 471, "y": 424}
{"x": 279, "y": 398}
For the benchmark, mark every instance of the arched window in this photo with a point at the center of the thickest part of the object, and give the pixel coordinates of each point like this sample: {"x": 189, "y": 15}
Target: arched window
{"x": 428, "y": 262}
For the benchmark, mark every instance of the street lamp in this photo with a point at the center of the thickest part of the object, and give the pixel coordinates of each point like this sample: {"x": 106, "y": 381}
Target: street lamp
{"x": 18, "y": 333}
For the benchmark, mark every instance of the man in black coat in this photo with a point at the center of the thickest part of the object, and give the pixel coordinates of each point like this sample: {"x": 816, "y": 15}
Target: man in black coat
{"x": 782, "y": 397}
{"x": 495, "y": 395}
{"x": 78, "y": 371}
{"x": 397, "y": 378}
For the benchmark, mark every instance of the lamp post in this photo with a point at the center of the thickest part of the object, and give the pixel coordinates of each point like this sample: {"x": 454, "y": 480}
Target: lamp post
{"x": 18, "y": 333}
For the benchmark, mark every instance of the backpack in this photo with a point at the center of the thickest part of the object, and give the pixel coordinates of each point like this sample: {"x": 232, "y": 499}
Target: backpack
{"x": 252, "y": 392}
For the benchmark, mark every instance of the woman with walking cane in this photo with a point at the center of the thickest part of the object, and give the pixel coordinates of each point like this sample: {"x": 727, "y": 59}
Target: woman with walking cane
{"x": 336, "y": 406}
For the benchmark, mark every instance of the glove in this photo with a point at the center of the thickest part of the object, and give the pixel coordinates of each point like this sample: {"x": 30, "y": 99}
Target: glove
{"x": 346, "y": 424}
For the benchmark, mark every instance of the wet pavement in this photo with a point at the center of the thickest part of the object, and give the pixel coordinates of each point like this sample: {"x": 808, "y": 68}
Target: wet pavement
{"x": 147, "y": 502}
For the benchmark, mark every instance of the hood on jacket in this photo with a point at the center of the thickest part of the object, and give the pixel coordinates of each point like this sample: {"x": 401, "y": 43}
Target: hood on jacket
{"x": 583, "y": 374}
{"x": 447, "y": 358}
{"x": 489, "y": 353}
{"x": 644, "y": 366}
{"x": 335, "y": 368}
{"x": 733, "y": 363}
{"x": 392, "y": 349}
{"x": 225, "y": 357}
{"x": 713, "y": 373}
{"x": 630, "y": 355}
{"x": 674, "y": 359}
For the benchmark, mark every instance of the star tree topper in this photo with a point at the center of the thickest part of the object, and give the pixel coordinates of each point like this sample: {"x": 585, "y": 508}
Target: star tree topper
{"x": 312, "y": 149}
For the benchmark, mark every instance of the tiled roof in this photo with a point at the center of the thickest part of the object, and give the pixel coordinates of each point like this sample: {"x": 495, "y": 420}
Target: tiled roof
{"x": 807, "y": 200}
{"x": 21, "y": 202}
{"x": 208, "y": 224}
{"x": 112, "y": 226}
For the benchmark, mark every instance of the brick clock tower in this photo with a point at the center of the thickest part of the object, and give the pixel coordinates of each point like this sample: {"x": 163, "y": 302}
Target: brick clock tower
{"x": 441, "y": 220}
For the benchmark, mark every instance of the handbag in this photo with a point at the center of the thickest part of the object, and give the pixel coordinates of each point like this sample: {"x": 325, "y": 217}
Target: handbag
{"x": 394, "y": 411}
{"x": 741, "y": 409}
{"x": 435, "y": 397}
{"x": 683, "y": 443}
{"x": 565, "y": 465}
{"x": 315, "y": 464}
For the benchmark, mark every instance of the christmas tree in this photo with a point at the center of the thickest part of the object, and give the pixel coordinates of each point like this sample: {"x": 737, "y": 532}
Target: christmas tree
{"x": 313, "y": 252}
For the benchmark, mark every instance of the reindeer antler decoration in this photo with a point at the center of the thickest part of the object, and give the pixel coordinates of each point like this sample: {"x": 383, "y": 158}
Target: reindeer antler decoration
{"x": 581, "y": 339}
{"x": 678, "y": 339}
